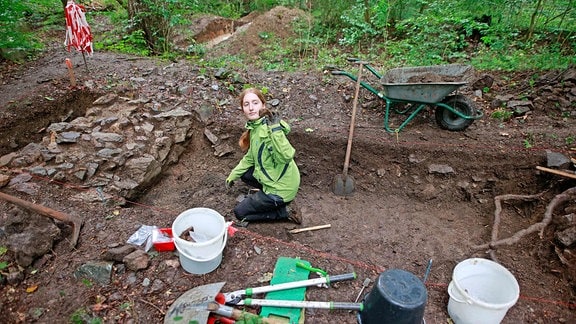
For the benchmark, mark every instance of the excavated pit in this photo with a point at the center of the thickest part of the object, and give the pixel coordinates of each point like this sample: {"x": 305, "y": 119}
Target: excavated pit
{"x": 27, "y": 120}
{"x": 421, "y": 194}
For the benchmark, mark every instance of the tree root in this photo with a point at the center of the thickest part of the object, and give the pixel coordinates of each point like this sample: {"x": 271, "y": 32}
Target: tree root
{"x": 540, "y": 226}
{"x": 45, "y": 211}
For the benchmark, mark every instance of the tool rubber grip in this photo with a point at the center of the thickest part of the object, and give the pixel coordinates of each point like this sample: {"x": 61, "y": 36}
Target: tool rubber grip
{"x": 351, "y": 306}
{"x": 341, "y": 277}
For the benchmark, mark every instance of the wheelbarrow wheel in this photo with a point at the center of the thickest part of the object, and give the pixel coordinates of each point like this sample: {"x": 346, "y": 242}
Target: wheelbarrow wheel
{"x": 446, "y": 119}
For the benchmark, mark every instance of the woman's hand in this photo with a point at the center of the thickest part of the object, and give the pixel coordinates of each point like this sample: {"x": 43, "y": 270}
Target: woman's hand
{"x": 229, "y": 184}
{"x": 273, "y": 119}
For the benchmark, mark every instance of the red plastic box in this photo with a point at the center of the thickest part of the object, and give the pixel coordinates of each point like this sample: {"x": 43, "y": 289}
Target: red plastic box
{"x": 162, "y": 239}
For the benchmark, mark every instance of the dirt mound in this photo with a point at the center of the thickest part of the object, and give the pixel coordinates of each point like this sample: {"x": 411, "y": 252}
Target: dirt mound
{"x": 259, "y": 29}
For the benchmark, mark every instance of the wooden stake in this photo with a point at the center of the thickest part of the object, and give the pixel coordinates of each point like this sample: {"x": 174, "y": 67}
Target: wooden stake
{"x": 313, "y": 228}
{"x": 71, "y": 72}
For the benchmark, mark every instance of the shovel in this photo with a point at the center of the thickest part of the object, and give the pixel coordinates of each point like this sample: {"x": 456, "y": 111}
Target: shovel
{"x": 195, "y": 306}
{"x": 343, "y": 184}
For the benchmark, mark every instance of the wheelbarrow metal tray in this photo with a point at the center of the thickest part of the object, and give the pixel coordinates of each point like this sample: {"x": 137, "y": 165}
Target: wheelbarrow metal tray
{"x": 425, "y": 84}
{"x": 434, "y": 73}
{"x": 420, "y": 92}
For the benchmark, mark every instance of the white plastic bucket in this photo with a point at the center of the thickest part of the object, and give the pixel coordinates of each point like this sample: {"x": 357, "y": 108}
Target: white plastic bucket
{"x": 200, "y": 266}
{"x": 481, "y": 292}
{"x": 204, "y": 256}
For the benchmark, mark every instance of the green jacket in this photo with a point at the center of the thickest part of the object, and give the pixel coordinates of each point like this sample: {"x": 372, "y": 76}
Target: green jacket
{"x": 272, "y": 156}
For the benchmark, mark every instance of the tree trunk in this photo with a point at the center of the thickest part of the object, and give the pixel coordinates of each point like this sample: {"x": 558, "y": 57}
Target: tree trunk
{"x": 533, "y": 18}
{"x": 366, "y": 12}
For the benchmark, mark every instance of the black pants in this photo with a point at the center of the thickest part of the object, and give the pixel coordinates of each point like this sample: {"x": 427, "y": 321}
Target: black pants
{"x": 259, "y": 206}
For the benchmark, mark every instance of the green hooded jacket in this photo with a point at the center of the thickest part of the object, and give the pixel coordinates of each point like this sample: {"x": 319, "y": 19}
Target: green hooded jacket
{"x": 272, "y": 156}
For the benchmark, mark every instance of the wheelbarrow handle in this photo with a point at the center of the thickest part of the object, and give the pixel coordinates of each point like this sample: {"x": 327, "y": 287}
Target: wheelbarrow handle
{"x": 357, "y": 60}
{"x": 235, "y": 297}
{"x": 338, "y": 72}
{"x": 303, "y": 304}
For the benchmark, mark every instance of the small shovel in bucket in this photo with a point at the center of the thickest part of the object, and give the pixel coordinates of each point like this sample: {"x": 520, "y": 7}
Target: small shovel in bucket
{"x": 343, "y": 184}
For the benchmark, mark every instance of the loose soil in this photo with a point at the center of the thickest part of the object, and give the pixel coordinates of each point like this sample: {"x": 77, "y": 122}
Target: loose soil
{"x": 401, "y": 215}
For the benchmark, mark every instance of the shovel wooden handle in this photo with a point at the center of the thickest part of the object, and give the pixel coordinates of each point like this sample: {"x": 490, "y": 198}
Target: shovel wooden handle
{"x": 352, "y": 122}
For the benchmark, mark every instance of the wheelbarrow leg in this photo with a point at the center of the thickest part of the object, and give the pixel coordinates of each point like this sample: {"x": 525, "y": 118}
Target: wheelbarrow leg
{"x": 389, "y": 102}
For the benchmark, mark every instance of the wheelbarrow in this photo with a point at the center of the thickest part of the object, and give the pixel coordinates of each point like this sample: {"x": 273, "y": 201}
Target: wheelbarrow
{"x": 197, "y": 304}
{"x": 415, "y": 88}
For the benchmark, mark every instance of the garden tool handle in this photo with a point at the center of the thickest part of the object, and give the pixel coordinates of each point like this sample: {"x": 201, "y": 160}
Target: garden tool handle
{"x": 235, "y": 297}
{"x": 303, "y": 304}
{"x": 357, "y": 60}
{"x": 311, "y": 269}
{"x": 352, "y": 121}
{"x": 341, "y": 277}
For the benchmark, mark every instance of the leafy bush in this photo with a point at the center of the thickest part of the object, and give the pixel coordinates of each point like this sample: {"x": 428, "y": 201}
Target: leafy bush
{"x": 17, "y": 39}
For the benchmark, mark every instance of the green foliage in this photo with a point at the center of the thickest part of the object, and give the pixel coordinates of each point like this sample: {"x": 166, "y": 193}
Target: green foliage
{"x": 81, "y": 316}
{"x": 87, "y": 283}
{"x": 528, "y": 141}
{"x": 502, "y": 35}
{"x": 227, "y": 61}
{"x": 3, "y": 264}
{"x": 502, "y": 114}
{"x": 364, "y": 23}
{"x": 126, "y": 306}
{"x": 276, "y": 56}
{"x": 132, "y": 43}
{"x": 432, "y": 39}
{"x": 510, "y": 59}
{"x": 17, "y": 23}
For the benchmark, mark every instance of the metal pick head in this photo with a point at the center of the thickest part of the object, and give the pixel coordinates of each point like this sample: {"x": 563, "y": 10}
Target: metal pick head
{"x": 192, "y": 306}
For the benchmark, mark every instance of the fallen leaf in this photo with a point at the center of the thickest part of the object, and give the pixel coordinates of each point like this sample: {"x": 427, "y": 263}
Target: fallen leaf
{"x": 99, "y": 307}
{"x": 32, "y": 289}
{"x": 266, "y": 277}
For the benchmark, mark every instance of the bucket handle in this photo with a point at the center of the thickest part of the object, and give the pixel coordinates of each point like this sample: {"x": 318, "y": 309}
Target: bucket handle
{"x": 451, "y": 293}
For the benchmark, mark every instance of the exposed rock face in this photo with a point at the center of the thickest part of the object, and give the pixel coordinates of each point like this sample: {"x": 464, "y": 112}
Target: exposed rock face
{"x": 29, "y": 235}
{"x": 119, "y": 146}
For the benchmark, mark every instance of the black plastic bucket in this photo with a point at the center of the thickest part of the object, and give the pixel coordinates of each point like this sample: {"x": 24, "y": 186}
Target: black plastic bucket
{"x": 398, "y": 297}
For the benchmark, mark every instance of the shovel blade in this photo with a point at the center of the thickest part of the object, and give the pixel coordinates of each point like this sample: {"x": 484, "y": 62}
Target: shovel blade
{"x": 192, "y": 306}
{"x": 343, "y": 185}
